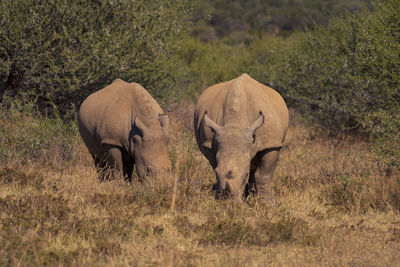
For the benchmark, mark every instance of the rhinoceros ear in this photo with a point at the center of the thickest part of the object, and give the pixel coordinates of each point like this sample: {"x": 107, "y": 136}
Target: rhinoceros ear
{"x": 256, "y": 124}
{"x": 140, "y": 125}
{"x": 210, "y": 123}
{"x": 165, "y": 124}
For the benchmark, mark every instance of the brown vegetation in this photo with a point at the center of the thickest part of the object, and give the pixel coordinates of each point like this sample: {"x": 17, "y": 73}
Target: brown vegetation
{"x": 339, "y": 206}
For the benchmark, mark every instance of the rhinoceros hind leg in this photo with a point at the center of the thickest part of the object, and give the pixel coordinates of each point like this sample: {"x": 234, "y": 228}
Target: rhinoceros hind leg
{"x": 263, "y": 177}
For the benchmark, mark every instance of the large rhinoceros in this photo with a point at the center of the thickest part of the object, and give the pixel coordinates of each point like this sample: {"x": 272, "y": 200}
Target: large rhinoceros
{"x": 240, "y": 126}
{"x": 122, "y": 125}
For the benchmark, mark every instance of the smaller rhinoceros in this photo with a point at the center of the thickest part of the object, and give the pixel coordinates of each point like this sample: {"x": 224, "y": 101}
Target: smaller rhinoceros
{"x": 240, "y": 126}
{"x": 122, "y": 126}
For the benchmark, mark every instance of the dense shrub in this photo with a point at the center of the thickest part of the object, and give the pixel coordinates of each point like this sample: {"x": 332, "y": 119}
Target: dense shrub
{"x": 241, "y": 21}
{"x": 200, "y": 65}
{"x": 26, "y": 135}
{"x": 344, "y": 76}
{"x": 61, "y": 50}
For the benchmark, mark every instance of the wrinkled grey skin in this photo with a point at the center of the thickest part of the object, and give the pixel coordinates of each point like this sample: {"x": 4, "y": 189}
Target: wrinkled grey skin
{"x": 240, "y": 126}
{"x": 122, "y": 126}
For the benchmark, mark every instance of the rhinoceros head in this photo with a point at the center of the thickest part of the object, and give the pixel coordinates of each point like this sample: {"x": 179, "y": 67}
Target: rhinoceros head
{"x": 233, "y": 154}
{"x": 151, "y": 148}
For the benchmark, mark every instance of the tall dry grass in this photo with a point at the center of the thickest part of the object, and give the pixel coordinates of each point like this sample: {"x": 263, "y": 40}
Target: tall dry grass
{"x": 338, "y": 206}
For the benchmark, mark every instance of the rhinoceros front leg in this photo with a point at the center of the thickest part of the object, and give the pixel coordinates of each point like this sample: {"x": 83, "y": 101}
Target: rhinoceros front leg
{"x": 263, "y": 177}
{"x": 128, "y": 165}
{"x": 100, "y": 167}
{"x": 111, "y": 163}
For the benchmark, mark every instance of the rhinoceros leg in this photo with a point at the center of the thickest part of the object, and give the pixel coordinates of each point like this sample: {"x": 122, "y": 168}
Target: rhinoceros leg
{"x": 111, "y": 163}
{"x": 128, "y": 165}
{"x": 103, "y": 166}
{"x": 263, "y": 176}
{"x": 100, "y": 167}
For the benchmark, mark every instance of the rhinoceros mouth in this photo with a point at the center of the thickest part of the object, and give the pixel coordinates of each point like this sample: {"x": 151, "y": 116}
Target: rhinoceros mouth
{"x": 223, "y": 194}
{"x": 226, "y": 193}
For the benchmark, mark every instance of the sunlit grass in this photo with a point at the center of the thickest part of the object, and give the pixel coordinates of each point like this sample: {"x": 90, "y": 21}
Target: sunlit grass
{"x": 338, "y": 206}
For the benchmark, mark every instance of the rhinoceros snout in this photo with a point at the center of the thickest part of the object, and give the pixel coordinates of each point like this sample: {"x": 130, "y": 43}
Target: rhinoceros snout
{"x": 153, "y": 171}
{"x": 228, "y": 191}
{"x": 228, "y": 187}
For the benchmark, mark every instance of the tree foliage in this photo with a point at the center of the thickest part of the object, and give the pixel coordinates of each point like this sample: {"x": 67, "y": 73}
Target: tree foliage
{"x": 243, "y": 20}
{"x": 59, "y": 51}
{"x": 344, "y": 76}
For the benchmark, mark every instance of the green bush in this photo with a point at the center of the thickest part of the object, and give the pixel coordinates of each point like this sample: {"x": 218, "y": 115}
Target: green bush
{"x": 59, "y": 51}
{"x": 27, "y": 135}
{"x": 237, "y": 21}
{"x": 343, "y": 77}
{"x": 200, "y": 65}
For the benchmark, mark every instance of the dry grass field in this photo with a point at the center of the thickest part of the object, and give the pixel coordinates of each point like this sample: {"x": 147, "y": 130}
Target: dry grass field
{"x": 338, "y": 206}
